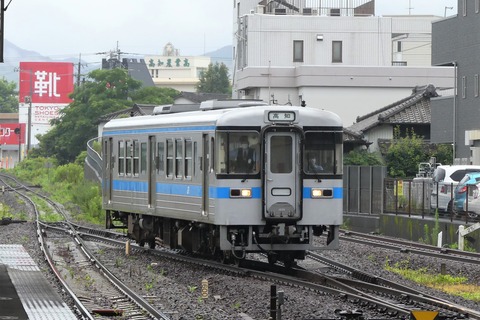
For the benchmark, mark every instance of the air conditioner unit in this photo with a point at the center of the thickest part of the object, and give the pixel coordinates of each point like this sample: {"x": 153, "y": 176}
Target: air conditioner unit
{"x": 314, "y": 12}
{"x": 260, "y": 9}
{"x": 252, "y": 11}
{"x": 280, "y": 12}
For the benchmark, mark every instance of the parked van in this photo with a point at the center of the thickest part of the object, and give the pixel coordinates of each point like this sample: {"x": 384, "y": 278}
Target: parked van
{"x": 445, "y": 179}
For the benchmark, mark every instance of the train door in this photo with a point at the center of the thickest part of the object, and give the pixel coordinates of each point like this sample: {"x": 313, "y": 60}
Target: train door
{"x": 107, "y": 169}
{"x": 151, "y": 172}
{"x": 282, "y": 177}
{"x": 205, "y": 169}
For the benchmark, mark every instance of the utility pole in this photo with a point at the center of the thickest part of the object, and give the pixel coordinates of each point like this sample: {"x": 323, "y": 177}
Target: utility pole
{"x": 79, "y": 68}
{"x": 2, "y": 25}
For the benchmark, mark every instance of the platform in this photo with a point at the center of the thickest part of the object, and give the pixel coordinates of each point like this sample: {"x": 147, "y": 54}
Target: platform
{"x": 24, "y": 291}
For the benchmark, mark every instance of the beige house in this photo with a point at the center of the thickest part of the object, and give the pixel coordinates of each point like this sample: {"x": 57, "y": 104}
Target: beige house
{"x": 172, "y": 70}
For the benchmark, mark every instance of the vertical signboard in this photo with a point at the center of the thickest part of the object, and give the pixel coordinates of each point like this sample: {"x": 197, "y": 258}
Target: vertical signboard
{"x": 46, "y": 82}
{"x": 44, "y": 90}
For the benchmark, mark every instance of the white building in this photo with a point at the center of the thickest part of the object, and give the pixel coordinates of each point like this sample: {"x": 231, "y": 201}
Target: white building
{"x": 334, "y": 55}
{"x": 174, "y": 71}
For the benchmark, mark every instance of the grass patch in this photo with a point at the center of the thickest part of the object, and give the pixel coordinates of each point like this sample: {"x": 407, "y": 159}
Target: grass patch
{"x": 457, "y": 286}
{"x": 64, "y": 184}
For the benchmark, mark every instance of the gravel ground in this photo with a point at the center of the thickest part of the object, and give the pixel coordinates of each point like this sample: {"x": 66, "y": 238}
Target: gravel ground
{"x": 176, "y": 288}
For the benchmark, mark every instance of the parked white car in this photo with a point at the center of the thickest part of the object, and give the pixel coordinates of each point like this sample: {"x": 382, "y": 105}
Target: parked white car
{"x": 445, "y": 179}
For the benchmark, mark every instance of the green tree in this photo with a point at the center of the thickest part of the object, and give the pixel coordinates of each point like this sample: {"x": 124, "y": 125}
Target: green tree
{"x": 215, "y": 80}
{"x": 362, "y": 158}
{"x": 154, "y": 95}
{"x": 443, "y": 153}
{"x": 405, "y": 153}
{"x": 104, "y": 92}
{"x": 8, "y": 97}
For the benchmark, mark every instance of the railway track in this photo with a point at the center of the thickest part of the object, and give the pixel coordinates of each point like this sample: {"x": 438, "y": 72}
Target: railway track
{"x": 100, "y": 294}
{"x": 369, "y": 293}
{"x": 394, "y": 295}
{"x": 411, "y": 247}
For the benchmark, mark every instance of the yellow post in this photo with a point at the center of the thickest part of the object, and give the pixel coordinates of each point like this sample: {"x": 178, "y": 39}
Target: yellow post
{"x": 127, "y": 248}
{"x": 204, "y": 289}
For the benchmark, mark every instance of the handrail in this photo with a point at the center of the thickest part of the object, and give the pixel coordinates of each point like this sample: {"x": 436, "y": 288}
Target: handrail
{"x": 93, "y": 159}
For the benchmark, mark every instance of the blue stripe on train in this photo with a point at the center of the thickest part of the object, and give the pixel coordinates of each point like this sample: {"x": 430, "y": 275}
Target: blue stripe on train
{"x": 196, "y": 191}
{"x": 179, "y": 189}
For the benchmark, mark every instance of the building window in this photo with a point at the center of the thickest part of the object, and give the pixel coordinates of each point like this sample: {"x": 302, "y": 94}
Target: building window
{"x": 399, "y": 46}
{"x": 298, "y": 51}
{"x": 464, "y": 87}
{"x": 475, "y": 85}
{"x": 336, "y": 51}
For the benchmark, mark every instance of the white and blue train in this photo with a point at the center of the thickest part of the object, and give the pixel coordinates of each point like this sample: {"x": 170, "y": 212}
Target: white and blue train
{"x": 233, "y": 177}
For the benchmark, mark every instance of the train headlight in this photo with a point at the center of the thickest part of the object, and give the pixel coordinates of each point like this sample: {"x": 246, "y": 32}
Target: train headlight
{"x": 321, "y": 193}
{"x": 240, "y": 193}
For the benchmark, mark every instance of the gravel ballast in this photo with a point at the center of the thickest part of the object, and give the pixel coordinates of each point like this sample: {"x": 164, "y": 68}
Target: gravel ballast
{"x": 176, "y": 288}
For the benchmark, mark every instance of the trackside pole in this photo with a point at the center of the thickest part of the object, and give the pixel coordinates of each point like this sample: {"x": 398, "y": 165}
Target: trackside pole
{"x": 462, "y": 232}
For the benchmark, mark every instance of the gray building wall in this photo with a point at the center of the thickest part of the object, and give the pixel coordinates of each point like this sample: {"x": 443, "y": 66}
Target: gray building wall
{"x": 454, "y": 42}
{"x": 441, "y": 128}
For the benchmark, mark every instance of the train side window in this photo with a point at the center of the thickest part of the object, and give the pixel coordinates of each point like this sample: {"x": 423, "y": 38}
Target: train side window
{"x": 136, "y": 157}
{"x": 178, "y": 158}
{"x": 160, "y": 158}
{"x": 143, "y": 158}
{"x": 222, "y": 160}
{"x": 188, "y": 158}
{"x": 128, "y": 157}
{"x": 121, "y": 158}
{"x": 170, "y": 158}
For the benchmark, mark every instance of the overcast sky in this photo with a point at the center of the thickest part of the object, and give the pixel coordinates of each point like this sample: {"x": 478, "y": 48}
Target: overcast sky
{"x": 60, "y": 28}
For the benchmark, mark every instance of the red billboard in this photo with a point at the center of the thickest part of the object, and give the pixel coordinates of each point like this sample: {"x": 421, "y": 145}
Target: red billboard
{"x": 11, "y": 132}
{"x": 46, "y": 82}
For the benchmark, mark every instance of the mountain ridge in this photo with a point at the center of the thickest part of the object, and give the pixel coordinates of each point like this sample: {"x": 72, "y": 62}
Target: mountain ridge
{"x": 13, "y": 55}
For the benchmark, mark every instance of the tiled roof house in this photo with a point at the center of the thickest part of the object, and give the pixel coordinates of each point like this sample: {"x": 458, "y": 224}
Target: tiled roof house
{"x": 412, "y": 112}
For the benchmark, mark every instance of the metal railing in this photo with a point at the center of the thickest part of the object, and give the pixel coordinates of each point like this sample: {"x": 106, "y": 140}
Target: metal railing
{"x": 320, "y": 7}
{"x": 93, "y": 160}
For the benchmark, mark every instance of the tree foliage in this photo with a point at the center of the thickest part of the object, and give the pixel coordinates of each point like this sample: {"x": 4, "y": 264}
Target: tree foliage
{"x": 362, "y": 158}
{"x": 104, "y": 92}
{"x": 214, "y": 80}
{"x": 405, "y": 154}
{"x": 442, "y": 152}
{"x": 8, "y": 97}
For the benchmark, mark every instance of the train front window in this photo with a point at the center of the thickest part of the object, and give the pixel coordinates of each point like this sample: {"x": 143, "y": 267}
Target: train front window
{"x": 238, "y": 153}
{"x": 323, "y": 153}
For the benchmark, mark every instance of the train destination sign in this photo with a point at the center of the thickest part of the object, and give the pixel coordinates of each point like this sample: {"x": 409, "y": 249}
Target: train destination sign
{"x": 281, "y": 116}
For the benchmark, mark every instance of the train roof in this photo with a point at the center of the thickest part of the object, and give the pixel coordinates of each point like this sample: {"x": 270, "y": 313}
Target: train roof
{"x": 228, "y": 117}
